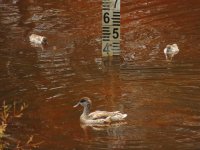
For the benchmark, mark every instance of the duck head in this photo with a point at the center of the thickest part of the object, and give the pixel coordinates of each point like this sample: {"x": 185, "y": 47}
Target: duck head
{"x": 171, "y": 49}
{"x": 85, "y": 102}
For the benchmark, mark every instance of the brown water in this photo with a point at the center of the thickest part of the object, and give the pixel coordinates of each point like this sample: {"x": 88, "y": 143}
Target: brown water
{"x": 162, "y": 99}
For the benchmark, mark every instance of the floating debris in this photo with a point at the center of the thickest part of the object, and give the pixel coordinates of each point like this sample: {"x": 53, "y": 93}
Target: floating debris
{"x": 129, "y": 57}
{"x": 170, "y": 51}
{"x": 37, "y": 39}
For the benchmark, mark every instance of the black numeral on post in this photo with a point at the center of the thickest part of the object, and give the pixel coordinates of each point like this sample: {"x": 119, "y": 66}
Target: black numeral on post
{"x": 115, "y": 33}
{"x": 106, "y": 17}
{"x": 115, "y": 3}
{"x": 106, "y": 48}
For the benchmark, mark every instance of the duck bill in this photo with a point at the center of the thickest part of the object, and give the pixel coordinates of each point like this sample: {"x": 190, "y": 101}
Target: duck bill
{"x": 76, "y": 105}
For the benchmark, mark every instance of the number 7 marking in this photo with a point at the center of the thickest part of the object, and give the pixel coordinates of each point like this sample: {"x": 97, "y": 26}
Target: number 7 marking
{"x": 115, "y": 3}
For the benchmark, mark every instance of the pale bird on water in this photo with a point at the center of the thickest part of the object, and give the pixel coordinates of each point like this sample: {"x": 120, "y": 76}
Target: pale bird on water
{"x": 170, "y": 51}
{"x": 98, "y": 117}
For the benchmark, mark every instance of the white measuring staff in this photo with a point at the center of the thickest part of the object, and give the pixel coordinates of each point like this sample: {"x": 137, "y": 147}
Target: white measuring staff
{"x": 110, "y": 27}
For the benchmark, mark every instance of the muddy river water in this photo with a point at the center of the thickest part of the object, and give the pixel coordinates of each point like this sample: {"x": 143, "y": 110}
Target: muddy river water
{"x": 161, "y": 98}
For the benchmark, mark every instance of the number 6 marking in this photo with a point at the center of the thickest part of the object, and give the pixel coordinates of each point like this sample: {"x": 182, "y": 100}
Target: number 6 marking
{"x": 106, "y": 17}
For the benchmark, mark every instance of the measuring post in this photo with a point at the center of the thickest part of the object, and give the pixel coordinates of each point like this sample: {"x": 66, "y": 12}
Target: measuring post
{"x": 110, "y": 27}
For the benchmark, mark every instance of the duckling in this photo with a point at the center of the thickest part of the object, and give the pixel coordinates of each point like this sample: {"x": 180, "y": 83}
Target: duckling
{"x": 97, "y": 117}
{"x": 37, "y": 39}
{"x": 170, "y": 51}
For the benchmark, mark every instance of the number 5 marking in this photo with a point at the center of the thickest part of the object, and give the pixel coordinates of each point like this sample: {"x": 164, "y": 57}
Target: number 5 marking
{"x": 115, "y": 3}
{"x": 115, "y": 33}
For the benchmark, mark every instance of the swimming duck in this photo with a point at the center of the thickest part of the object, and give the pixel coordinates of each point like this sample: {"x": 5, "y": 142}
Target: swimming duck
{"x": 97, "y": 117}
{"x": 170, "y": 51}
{"x": 37, "y": 39}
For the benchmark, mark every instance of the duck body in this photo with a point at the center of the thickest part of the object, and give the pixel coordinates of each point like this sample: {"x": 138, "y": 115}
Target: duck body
{"x": 98, "y": 117}
{"x": 37, "y": 39}
{"x": 170, "y": 51}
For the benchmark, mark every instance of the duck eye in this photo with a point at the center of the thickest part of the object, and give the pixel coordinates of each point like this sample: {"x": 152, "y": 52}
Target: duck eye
{"x": 82, "y": 100}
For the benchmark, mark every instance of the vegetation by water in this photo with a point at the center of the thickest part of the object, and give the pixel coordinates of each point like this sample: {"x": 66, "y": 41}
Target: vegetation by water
{"x": 7, "y": 115}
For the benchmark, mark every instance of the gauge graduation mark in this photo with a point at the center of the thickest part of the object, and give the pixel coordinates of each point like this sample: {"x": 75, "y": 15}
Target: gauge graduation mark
{"x": 110, "y": 27}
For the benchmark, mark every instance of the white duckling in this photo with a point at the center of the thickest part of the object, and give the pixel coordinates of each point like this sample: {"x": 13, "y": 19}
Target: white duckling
{"x": 170, "y": 51}
{"x": 97, "y": 117}
{"x": 37, "y": 39}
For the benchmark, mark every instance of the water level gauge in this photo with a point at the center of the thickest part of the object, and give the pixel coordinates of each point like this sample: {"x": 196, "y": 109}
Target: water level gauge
{"x": 110, "y": 27}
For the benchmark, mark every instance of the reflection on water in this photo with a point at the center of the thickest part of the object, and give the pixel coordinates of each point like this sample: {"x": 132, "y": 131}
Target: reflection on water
{"x": 114, "y": 131}
{"x": 160, "y": 97}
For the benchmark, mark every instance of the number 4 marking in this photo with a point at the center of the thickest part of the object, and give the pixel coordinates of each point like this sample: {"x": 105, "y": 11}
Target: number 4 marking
{"x": 106, "y": 48}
